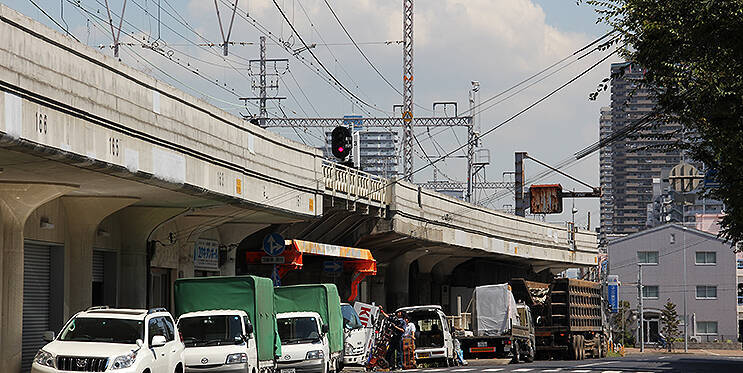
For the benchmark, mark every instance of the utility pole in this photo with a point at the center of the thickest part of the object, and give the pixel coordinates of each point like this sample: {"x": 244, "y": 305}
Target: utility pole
{"x": 263, "y": 85}
{"x": 519, "y": 179}
{"x": 640, "y": 307}
{"x": 686, "y": 319}
{"x": 474, "y": 93}
{"x": 407, "y": 88}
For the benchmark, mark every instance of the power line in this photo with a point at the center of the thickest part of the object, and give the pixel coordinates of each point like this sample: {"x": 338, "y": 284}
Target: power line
{"x": 320, "y": 63}
{"x": 592, "y": 43}
{"x": 310, "y": 66}
{"x": 361, "y": 51}
{"x": 503, "y": 123}
{"x": 79, "y": 6}
{"x": 335, "y": 58}
{"x": 54, "y": 20}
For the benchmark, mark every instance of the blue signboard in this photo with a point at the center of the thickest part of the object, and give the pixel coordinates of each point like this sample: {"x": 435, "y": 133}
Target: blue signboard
{"x": 613, "y": 293}
{"x": 332, "y": 266}
{"x": 273, "y": 244}
{"x": 710, "y": 179}
{"x": 356, "y": 122}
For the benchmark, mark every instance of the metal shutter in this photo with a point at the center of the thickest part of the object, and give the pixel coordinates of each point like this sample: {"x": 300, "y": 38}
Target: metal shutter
{"x": 36, "y": 294}
{"x": 98, "y": 266}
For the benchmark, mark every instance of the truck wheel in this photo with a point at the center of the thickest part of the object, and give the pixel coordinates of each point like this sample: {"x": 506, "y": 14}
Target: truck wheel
{"x": 515, "y": 352}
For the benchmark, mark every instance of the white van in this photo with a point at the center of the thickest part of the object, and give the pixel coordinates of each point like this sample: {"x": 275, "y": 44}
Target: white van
{"x": 356, "y": 335}
{"x": 304, "y": 343}
{"x": 433, "y": 340}
{"x": 218, "y": 341}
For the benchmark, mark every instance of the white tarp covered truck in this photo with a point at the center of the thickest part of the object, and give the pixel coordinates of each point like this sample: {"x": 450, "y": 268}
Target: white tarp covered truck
{"x": 500, "y": 327}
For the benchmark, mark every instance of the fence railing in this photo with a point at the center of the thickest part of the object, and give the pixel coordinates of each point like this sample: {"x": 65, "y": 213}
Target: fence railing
{"x": 355, "y": 185}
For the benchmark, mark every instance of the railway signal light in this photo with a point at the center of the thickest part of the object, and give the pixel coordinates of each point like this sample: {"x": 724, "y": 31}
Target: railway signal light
{"x": 341, "y": 142}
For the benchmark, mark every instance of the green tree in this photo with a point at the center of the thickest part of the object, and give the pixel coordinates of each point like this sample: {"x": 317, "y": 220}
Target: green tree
{"x": 693, "y": 53}
{"x": 622, "y": 325}
{"x": 669, "y": 318}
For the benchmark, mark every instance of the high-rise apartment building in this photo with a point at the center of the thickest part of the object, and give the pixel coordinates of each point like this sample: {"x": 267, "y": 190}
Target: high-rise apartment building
{"x": 628, "y": 166}
{"x": 378, "y": 152}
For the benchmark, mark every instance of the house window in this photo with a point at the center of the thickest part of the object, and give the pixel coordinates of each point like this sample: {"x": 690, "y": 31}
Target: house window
{"x": 706, "y": 258}
{"x": 650, "y": 292}
{"x": 647, "y": 257}
{"x": 706, "y": 292}
{"x": 706, "y": 327}
{"x": 740, "y": 263}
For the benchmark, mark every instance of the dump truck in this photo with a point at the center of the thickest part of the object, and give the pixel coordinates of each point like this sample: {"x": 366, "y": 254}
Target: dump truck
{"x": 568, "y": 317}
{"x": 500, "y": 327}
{"x": 251, "y": 294}
{"x": 310, "y": 325}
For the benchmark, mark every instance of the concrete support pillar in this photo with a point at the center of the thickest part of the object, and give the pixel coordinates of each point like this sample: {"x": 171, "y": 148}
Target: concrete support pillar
{"x": 440, "y": 274}
{"x": 378, "y": 286}
{"x": 136, "y": 225}
{"x": 398, "y": 275}
{"x": 17, "y": 201}
{"x": 428, "y": 290}
{"x": 84, "y": 213}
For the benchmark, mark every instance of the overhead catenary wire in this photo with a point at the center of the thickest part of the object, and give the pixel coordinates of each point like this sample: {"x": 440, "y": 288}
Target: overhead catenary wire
{"x": 97, "y": 19}
{"x": 310, "y": 66}
{"x": 335, "y": 58}
{"x": 583, "y": 48}
{"x": 359, "y": 100}
{"x": 65, "y": 29}
{"x": 530, "y": 78}
{"x": 501, "y": 124}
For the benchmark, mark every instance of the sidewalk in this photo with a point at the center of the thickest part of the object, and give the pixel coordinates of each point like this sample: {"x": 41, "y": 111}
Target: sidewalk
{"x": 653, "y": 351}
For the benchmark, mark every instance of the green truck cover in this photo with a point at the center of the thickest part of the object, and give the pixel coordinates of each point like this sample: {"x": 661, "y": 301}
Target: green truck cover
{"x": 251, "y": 294}
{"x": 320, "y": 298}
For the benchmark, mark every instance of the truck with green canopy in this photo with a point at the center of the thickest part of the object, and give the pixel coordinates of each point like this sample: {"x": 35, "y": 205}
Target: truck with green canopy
{"x": 310, "y": 325}
{"x": 251, "y": 294}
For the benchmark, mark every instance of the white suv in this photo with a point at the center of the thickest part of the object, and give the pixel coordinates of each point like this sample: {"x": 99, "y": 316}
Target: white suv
{"x": 113, "y": 340}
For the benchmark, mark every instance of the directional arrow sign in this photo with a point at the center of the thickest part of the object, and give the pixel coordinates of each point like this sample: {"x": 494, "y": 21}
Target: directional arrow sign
{"x": 273, "y": 244}
{"x": 332, "y": 266}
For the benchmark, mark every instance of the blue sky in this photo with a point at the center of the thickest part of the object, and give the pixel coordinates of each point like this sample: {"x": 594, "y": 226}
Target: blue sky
{"x": 497, "y": 42}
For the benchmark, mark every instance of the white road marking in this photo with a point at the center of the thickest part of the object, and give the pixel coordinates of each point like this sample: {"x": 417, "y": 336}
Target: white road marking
{"x": 581, "y": 371}
{"x": 492, "y": 370}
{"x": 661, "y": 357}
{"x": 523, "y": 370}
{"x": 463, "y": 370}
{"x": 552, "y": 370}
{"x": 594, "y": 364}
{"x": 612, "y": 371}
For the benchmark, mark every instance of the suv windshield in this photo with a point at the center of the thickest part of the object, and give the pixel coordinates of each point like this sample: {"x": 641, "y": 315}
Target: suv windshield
{"x": 97, "y": 329}
{"x": 298, "y": 330}
{"x": 210, "y": 330}
{"x": 350, "y": 318}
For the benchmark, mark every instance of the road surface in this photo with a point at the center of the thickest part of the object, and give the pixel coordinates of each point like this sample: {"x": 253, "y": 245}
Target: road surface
{"x": 628, "y": 364}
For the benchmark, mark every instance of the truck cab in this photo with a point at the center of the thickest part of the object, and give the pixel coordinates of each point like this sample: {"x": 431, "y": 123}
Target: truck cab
{"x": 304, "y": 343}
{"x": 218, "y": 341}
{"x": 433, "y": 340}
{"x": 356, "y": 336}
